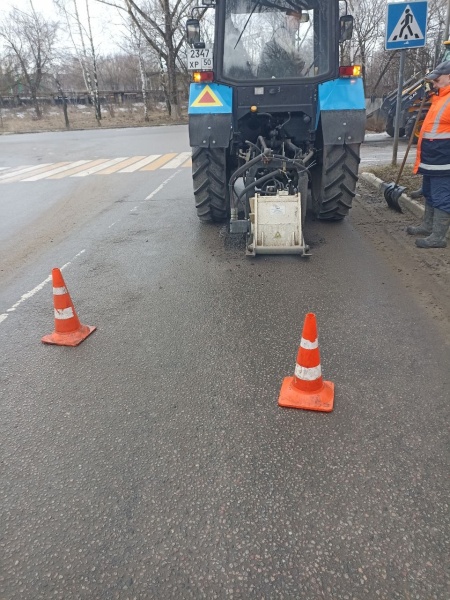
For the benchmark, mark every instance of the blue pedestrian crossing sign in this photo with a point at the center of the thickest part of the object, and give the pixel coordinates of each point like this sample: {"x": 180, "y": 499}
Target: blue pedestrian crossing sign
{"x": 406, "y": 25}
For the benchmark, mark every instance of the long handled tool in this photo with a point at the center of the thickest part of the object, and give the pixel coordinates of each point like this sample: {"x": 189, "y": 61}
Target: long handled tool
{"x": 393, "y": 191}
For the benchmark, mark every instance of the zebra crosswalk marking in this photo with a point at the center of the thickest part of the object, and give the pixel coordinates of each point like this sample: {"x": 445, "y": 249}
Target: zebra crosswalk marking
{"x": 100, "y": 166}
{"x": 177, "y": 161}
{"x": 91, "y": 163}
{"x": 125, "y": 163}
{"x": 159, "y": 162}
{"x": 142, "y": 163}
{"x": 23, "y": 170}
{"x": 96, "y": 169}
{"x": 55, "y": 171}
{"x": 41, "y": 169}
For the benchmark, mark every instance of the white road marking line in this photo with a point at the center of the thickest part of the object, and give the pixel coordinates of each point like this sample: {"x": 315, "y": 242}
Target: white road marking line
{"x": 177, "y": 161}
{"x": 141, "y": 163}
{"x": 12, "y": 170}
{"x": 160, "y": 187}
{"x": 109, "y": 163}
{"x": 58, "y": 170}
{"x": 121, "y": 165}
{"x": 24, "y": 170}
{"x": 39, "y": 287}
{"x": 35, "y": 290}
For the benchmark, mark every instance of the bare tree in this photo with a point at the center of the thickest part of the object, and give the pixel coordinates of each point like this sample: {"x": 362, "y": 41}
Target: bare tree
{"x": 160, "y": 22}
{"x": 61, "y": 91}
{"x": 437, "y": 32}
{"x": 80, "y": 32}
{"x": 136, "y": 49}
{"x": 7, "y": 74}
{"x": 118, "y": 72}
{"x": 30, "y": 39}
{"x": 59, "y": 76}
{"x": 368, "y": 29}
{"x": 381, "y": 67}
{"x": 138, "y": 43}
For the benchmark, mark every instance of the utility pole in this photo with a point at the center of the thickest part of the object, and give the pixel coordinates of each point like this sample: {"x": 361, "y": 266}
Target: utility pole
{"x": 398, "y": 108}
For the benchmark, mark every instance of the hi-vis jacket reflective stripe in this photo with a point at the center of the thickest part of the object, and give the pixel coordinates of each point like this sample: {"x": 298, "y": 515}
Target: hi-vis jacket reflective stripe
{"x": 433, "y": 148}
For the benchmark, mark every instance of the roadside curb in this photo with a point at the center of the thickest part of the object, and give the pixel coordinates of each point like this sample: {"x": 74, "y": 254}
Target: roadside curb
{"x": 416, "y": 208}
{"x": 93, "y": 128}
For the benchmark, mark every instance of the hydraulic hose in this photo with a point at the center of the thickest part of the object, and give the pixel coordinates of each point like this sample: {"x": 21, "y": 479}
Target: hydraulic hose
{"x": 236, "y": 174}
{"x": 266, "y": 154}
{"x": 259, "y": 182}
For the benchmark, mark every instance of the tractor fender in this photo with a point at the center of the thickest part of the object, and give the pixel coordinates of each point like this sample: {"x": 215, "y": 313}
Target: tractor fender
{"x": 210, "y": 131}
{"x": 210, "y": 115}
{"x": 342, "y": 111}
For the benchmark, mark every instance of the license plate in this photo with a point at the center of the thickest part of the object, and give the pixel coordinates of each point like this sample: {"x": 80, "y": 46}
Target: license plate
{"x": 200, "y": 59}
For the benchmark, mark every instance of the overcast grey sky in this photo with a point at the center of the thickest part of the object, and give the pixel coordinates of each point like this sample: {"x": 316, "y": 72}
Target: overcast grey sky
{"x": 104, "y": 32}
{"x": 48, "y": 7}
{"x": 39, "y": 5}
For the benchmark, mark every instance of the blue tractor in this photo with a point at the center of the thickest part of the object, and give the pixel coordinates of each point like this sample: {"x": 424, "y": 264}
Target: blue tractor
{"x": 275, "y": 123}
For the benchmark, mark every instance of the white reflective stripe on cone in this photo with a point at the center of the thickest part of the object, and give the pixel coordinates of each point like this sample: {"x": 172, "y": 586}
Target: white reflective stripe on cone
{"x": 64, "y": 313}
{"x": 306, "y": 374}
{"x": 307, "y": 345}
{"x": 59, "y": 291}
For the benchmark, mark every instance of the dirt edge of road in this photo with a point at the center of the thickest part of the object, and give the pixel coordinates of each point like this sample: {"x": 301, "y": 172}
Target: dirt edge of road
{"x": 424, "y": 272}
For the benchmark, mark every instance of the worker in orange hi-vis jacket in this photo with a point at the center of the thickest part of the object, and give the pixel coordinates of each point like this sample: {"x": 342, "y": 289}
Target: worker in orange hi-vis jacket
{"x": 433, "y": 162}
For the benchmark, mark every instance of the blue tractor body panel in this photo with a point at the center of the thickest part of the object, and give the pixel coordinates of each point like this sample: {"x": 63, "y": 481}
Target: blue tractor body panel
{"x": 342, "y": 94}
{"x": 342, "y": 111}
{"x": 210, "y": 115}
{"x": 210, "y": 98}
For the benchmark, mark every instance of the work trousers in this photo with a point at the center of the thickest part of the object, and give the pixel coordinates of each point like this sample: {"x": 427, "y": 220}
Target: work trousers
{"x": 437, "y": 191}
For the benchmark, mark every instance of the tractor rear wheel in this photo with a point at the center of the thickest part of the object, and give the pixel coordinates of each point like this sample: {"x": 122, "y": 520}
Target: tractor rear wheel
{"x": 209, "y": 175}
{"x": 390, "y": 128}
{"x": 334, "y": 181}
{"x": 409, "y": 127}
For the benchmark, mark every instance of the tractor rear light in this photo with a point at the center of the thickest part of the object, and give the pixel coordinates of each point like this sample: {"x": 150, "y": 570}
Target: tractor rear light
{"x": 350, "y": 71}
{"x": 202, "y": 76}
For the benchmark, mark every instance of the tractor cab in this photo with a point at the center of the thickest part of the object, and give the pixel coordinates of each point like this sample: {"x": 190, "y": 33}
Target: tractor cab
{"x": 282, "y": 41}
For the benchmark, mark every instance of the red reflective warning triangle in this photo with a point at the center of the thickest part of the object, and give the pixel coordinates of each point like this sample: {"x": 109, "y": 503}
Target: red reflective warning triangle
{"x": 207, "y": 98}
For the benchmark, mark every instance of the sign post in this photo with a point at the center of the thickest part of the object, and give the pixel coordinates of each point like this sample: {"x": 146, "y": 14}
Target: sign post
{"x": 406, "y": 27}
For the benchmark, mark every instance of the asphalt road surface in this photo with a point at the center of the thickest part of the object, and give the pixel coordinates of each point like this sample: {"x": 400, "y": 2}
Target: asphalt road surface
{"x": 152, "y": 461}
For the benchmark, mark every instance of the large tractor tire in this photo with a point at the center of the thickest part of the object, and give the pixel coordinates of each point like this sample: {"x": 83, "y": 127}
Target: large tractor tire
{"x": 209, "y": 175}
{"x": 334, "y": 181}
{"x": 390, "y": 129}
{"x": 409, "y": 128}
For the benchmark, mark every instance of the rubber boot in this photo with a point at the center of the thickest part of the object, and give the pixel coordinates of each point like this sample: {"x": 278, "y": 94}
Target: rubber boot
{"x": 416, "y": 194}
{"x": 441, "y": 224}
{"x": 426, "y": 226}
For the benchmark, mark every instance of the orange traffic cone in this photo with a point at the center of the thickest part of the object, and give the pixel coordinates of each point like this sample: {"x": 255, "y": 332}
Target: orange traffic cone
{"x": 306, "y": 389}
{"x": 68, "y": 329}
